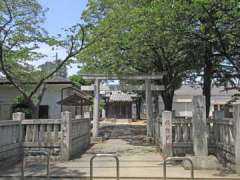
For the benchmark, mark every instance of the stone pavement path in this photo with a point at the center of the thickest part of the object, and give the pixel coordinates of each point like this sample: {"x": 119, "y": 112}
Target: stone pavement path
{"x": 137, "y": 159}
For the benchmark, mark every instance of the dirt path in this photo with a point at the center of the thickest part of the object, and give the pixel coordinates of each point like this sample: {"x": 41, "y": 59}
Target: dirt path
{"x": 124, "y": 140}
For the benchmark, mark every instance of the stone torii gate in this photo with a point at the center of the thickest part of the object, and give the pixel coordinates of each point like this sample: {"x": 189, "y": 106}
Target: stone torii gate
{"x": 148, "y": 90}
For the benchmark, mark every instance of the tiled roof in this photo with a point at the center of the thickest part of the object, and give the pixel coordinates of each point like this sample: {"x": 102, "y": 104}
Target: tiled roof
{"x": 120, "y": 97}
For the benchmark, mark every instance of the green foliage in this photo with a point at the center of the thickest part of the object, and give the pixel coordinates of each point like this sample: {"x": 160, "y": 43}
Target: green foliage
{"x": 78, "y": 80}
{"x": 21, "y": 34}
{"x": 218, "y": 27}
{"x": 141, "y": 37}
{"x": 184, "y": 39}
{"x": 19, "y": 100}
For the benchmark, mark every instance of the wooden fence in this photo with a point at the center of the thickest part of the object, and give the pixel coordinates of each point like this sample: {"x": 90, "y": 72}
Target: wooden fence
{"x": 63, "y": 138}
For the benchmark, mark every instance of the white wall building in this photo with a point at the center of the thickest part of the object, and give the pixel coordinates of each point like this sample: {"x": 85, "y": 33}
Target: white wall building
{"x": 49, "y": 104}
{"x": 182, "y": 103}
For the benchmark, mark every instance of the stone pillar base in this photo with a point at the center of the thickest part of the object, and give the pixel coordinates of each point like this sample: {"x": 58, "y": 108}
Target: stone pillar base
{"x": 202, "y": 162}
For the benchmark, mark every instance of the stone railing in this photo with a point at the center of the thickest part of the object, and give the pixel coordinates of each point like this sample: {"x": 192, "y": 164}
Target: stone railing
{"x": 43, "y": 134}
{"x": 80, "y": 135}
{"x": 182, "y": 136}
{"x": 10, "y": 142}
{"x": 221, "y": 137}
{"x": 63, "y": 138}
{"x": 224, "y": 139}
{"x": 75, "y": 135}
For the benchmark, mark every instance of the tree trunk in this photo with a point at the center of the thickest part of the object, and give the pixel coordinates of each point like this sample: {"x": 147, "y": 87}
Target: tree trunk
{"x": 167, "y": 96}
{"x": 34, "y": 109}
{"x": 207, "y": 79}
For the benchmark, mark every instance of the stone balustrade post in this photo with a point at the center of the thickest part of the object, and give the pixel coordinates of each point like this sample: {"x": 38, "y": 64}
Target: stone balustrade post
{"x": 19, "y": 116}
{"x": 66, "y": 135}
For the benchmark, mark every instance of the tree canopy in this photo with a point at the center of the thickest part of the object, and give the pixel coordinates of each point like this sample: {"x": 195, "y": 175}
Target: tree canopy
{"x": 21, "y": 33}
{"x": 190, "y": 41}
{"x": 141, "y": 39}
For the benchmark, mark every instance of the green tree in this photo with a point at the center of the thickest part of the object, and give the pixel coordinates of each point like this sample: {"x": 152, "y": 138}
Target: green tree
{"x": 78, "y": 80}
{"x": 20, "y": 35}
{"x": 213, "y": 25}
{"x": 195, "y": 41}
{"x": 145, "y": 37}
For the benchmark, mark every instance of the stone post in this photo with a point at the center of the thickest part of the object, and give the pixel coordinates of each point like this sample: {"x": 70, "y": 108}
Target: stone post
{"x": 200, "y": 160}
{"x": 66, "y": 135}
{"x": 149, "y": 107}
{"x": 199, "y": 127}
{"x": 167, "y": 133}
{"x": 19, "y": 116}
{"x": 236, "y": 116}
{"x": 96, "y": 108}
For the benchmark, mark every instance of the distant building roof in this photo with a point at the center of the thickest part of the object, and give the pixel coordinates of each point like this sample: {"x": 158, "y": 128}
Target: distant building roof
{"x": 218, "y": 94}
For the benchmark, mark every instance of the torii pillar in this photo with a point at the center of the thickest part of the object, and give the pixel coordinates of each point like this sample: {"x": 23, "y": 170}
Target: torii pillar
{"x": 96, "y": 108}
{"x": 149, "y": 107}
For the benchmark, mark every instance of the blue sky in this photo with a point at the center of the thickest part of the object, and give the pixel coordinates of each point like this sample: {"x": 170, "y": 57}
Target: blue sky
{"x": 61, "y": 14}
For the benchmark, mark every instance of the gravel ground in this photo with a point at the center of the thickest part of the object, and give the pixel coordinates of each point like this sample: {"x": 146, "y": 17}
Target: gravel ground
{"x": 125, "y": 140}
